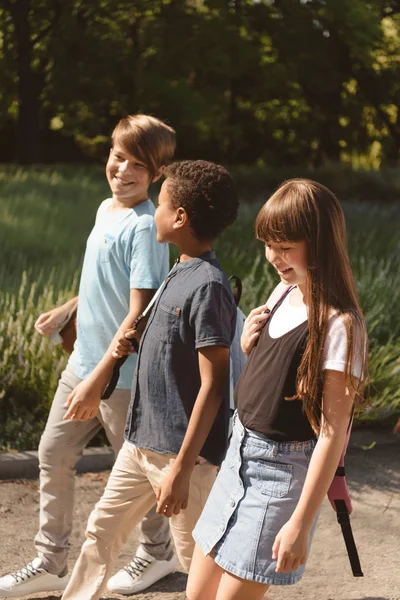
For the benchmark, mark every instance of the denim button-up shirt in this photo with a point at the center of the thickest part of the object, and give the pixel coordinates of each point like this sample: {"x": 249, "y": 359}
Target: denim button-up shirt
{"x": 196, "y": 309}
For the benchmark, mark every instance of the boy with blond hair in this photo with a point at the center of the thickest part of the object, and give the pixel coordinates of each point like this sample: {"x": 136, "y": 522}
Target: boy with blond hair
{"x": 124, "y": 264}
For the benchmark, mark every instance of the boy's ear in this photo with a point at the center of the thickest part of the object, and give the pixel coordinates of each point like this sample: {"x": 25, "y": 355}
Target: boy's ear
{"x": 158, "y": 174}
{"x": 181, "y": 218}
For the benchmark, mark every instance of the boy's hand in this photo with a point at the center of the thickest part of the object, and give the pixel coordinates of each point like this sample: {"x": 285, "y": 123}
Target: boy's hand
{"x": 290, "y": 547}
{"x": 173, "y": 494}
{"x": 52, "y": 320}
{"x": 83, "y": 403}
{"x": 252, "y": 328}
{"x": 124, "y": 346}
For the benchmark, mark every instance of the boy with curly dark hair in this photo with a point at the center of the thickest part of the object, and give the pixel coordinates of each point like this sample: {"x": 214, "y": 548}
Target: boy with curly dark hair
{"x": 177, "y": 425}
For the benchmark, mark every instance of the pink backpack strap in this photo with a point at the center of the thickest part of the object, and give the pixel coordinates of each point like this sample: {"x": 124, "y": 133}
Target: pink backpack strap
{"x": 339, "y": 498}
{"x": 338, "y": 488}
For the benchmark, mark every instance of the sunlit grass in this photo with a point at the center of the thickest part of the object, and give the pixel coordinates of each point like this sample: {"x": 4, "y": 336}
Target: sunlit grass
{"x": 45, "y": 218}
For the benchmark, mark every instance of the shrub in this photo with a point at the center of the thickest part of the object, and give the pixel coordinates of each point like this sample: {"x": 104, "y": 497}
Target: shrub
{"x": 45, "y": 218}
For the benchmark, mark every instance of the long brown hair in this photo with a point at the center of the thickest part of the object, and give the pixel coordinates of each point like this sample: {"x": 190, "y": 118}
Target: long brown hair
{"x": 303, "y": 210}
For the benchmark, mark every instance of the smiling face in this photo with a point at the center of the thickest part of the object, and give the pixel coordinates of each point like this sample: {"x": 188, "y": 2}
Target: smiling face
{"x": 289, "y": 259}
{"x": 128, "y": 178}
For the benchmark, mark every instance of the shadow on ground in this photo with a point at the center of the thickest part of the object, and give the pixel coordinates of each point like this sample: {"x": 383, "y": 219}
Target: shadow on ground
{"x": 375, "y": 598}
{"x": 376, "y": 468}
{"x": 174, "y": 583}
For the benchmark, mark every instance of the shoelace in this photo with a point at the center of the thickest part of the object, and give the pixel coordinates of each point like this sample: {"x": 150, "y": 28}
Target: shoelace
{"x": 28, "y": 571}
{"x": 137, "y": 566}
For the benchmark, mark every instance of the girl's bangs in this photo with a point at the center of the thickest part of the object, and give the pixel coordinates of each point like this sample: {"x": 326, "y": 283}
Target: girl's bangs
{"x": 280, "y": 220}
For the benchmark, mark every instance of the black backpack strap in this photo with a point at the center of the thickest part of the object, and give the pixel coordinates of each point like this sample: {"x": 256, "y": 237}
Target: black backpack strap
{"x": 237, "y": 288}
{"x": 344, "y": 522}
{"x": 117, "y": 367}
{"x": 112, "y": 384}
{"x": 280, "y": 300}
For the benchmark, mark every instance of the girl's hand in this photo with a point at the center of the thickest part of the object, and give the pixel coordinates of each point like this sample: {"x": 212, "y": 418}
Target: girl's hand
{"x": 173, "y": 494}
{"x": 252, "y": 328}
{"x": 290, "y": 547}
{"x": 51, "y": 321}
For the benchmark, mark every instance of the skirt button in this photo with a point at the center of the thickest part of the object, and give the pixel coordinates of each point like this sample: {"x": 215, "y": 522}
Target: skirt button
{"x": 233, "y": 503}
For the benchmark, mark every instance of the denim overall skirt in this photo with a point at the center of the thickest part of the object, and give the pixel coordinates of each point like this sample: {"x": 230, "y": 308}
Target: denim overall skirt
{"x": 256, "y": 491}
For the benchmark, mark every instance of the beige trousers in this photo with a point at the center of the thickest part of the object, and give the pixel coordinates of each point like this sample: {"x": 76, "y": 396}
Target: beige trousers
{"x": 129, "y": 494}
{"x": 60, "y": 448}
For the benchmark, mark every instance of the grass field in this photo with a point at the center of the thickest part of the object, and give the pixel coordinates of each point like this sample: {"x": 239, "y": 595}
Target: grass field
{"x": 45, "y": 218}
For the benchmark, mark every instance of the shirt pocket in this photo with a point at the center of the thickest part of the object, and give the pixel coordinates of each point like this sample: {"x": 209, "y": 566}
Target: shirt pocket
{"x": 273, "y": 478}
{"x": 165, "y": 324}
{"x": 105, "y": 248}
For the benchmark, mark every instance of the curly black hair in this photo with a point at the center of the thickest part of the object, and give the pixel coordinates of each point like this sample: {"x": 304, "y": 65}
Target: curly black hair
{"x": 207, "y": 193}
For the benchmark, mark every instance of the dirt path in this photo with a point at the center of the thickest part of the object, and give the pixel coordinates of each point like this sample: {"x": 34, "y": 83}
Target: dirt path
{"x": 375, "y": 484}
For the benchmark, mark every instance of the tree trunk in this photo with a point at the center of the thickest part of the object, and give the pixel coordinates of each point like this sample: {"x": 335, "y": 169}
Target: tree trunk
{"x": 233, "y": 114}
{"x": 30, "y": 85}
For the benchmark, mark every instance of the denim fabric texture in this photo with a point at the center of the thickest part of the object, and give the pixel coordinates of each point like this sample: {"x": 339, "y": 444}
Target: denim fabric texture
{"x": 196, "y": 309}
{"x": 255, "y": 494}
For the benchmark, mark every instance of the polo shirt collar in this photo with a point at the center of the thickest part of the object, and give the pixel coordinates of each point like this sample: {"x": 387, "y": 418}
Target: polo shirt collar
{"x": 193, "y": 262}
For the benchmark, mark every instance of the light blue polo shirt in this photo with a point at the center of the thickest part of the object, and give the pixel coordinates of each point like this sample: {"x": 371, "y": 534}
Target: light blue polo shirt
{"x": 122, "y": 253}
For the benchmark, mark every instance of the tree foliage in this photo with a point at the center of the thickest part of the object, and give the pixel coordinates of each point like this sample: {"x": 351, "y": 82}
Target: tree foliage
{"x": 243, "y": 81}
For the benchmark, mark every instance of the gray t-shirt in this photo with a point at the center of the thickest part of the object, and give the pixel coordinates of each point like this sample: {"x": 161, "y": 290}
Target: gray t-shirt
{"x": 196, "y": 309}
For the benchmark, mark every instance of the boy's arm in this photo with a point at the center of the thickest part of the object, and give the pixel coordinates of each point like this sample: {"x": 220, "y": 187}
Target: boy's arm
{"x": 82, "y": 404}
{"x": 143, "y": 258}
{"x": 173, "y": 493}
{"x": 52, "y": 320}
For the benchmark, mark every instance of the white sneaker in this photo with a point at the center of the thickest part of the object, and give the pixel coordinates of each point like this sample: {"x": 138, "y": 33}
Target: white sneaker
{"x": 31, "y": 580}
{"x": 141, "y": 573}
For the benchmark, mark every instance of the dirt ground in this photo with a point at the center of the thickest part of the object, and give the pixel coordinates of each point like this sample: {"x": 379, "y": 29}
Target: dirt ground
{"x": 374, "y": 477}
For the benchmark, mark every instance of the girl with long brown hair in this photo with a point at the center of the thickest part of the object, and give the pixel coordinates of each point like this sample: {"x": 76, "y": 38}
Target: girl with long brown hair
{"x": 294, "y": 399}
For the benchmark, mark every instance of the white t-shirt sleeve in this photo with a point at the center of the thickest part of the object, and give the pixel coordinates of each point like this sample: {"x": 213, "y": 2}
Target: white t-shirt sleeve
{"x": 335, "y": 351}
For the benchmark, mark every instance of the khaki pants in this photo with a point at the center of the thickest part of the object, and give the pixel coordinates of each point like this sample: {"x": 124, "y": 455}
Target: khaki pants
{"x": 60, "y": 448}
{"x": 129, "y": 494}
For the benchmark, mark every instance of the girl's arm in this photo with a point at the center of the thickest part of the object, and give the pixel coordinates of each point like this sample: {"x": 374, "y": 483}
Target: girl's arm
{"x": 291, "y": 543}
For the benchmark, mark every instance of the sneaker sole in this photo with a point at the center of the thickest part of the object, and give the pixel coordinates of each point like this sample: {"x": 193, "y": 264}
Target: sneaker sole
{"x": 18, "y": 593}
{"x": 140, "y": 587}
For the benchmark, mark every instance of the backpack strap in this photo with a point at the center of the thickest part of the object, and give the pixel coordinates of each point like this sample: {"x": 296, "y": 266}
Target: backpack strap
{"x": 340, "y": 500}
{"x": 343, "y": 518}
{"x": 112, "y": 384}
{"x": 237, "y": 288}
{"x": 280, "y": 291}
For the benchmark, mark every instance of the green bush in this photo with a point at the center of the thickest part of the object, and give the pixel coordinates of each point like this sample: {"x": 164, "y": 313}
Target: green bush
{"x": 45, "y": 218}
{"x": 256, "y": 183}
